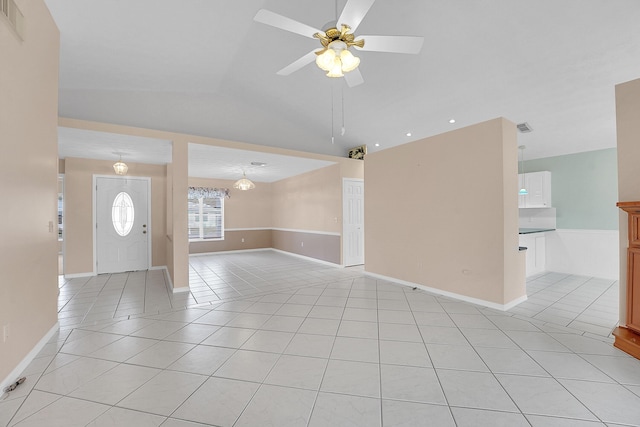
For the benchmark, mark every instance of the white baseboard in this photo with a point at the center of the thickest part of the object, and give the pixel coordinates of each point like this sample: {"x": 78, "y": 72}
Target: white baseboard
{"x": 14, "y": 374}
{"x": 170, "y": 287}
{"x": 593, "y": 253}
{"x": 308, "y": 258}
{"x": 513, "y": 303}
{"x": 484, "y": 303}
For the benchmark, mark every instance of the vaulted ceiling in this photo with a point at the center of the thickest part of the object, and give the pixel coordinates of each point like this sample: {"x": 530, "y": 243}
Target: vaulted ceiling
{"x": 204, "y": 67}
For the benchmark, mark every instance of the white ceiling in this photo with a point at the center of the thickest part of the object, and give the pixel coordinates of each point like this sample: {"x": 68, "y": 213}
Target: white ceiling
{"x": 206, "y": 68}
{"x": 205, "y": 161}
{"x": 111, "y": 146}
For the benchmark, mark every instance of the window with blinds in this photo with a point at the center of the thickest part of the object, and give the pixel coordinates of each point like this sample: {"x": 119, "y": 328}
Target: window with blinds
{"x": 206, "y": 219}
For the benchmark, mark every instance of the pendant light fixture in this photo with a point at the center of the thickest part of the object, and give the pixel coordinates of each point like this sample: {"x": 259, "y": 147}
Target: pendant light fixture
{"x": 523, "y": 191}
{"x": 244, "y": 183}
{"x": 120, "y": 167}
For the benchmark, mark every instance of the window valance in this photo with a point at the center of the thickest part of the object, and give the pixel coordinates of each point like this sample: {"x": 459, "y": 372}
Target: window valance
{"x": 208, "y": 193}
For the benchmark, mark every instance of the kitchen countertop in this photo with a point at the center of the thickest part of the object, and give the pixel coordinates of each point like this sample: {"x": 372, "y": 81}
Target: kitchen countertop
{"x": 534, "y": 230}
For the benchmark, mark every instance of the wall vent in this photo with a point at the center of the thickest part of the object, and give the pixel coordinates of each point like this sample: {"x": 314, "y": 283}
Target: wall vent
{"x": 10, "y": 11}
{"x": 524, "y": 127}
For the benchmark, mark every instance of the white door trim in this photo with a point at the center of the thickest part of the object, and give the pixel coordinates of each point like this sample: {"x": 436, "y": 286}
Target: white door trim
{"x": 94, "y": 216}
{"x": 344, "y": 231}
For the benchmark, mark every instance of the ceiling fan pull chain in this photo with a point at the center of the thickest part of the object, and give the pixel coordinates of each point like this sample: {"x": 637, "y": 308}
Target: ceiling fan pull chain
{"x": 343, "y": 130}
{"x": 332, "y": 138}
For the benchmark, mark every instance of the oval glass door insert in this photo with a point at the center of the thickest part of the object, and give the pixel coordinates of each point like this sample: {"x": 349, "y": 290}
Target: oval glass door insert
{"x": 122, "y": 214}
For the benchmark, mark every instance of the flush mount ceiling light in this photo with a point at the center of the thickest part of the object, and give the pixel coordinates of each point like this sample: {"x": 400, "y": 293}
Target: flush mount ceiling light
{"x": 523, "y": 191}
{"x": 335, "y": 57}
{"x": 120, "y": 167}
{"x": 452, "y": 121}
{"x": 244, "y": 184}
{"x": 258, "y": 164}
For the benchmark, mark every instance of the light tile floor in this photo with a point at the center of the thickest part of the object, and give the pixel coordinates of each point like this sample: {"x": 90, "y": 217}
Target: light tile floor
{"x": 304, "y": 344}
{"x": 584, "y": 303}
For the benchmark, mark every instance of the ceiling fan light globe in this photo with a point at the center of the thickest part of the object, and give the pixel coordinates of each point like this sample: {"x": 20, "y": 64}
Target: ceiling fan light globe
{"x": 336, "y": 69}
{"x": 326, "y": 60}
{"x": 349, "y": 62}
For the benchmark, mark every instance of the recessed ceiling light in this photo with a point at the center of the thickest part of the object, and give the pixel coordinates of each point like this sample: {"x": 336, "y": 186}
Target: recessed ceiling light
{"x": 452, "y": 121}
{"x": 408, "y": 133}
{"x": 377, "y": 145}
{"x": 258, "y": 164}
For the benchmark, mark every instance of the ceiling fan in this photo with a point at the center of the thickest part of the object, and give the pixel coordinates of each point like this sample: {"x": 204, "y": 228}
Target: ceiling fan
{"x": 334, "y": 55}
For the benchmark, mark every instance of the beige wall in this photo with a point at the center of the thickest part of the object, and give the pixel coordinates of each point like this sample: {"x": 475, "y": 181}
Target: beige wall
{"x": 244, "y": 209}
{"x": 627, "y": 119}
{"x": 78, "y": 243}
{"x": 234, "y": 241}
{"x": 28, "y": 183}
{"x": 178, "y": 255}
{"x": 351, "y": 168}
{"x": 169, "y": 223}
{"x": 311, "y": 201}
{"x": 325, "y": 247}
{"x": 307, "y": 202}
{"x": 443, "y": 212}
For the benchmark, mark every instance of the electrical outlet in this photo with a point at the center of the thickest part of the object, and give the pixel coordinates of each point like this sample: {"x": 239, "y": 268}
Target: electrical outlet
{"x": 5, "y": 333}
{"x": 302, "y": 244}
{"x": 243, "y": 240}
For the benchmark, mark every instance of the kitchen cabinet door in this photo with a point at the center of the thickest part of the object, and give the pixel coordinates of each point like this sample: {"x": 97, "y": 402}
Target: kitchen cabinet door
{"x": 538, "y": 185}
{"x": 536, "y": 258}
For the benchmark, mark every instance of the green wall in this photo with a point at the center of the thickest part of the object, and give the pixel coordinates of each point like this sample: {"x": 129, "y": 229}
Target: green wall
{"x": 584, "y": 188}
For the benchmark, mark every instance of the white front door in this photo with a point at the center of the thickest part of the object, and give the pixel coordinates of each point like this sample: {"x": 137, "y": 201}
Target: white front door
{"x": 122, "y": 224}
{"x": 353, "y": 221}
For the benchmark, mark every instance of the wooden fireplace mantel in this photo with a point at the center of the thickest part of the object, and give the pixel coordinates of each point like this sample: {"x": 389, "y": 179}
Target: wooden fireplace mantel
{"x": 627, "y": 338}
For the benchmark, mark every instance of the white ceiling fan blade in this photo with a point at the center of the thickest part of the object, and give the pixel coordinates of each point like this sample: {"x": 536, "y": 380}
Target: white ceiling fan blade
{"x": 299, "y": 63}
{"x": 354, "y": 12}
{"x": 270, "y": 18}
{"x": 395, "y": 44}
{"x": 354, "y": 78}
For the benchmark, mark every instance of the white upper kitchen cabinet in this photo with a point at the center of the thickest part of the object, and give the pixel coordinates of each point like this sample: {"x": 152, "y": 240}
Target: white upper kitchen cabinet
{"x": 538, "y": 184}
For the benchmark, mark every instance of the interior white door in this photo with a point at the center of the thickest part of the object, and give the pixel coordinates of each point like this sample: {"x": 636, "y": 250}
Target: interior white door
{"x": 353, "y": 221}
{"x": 122, "y": 224}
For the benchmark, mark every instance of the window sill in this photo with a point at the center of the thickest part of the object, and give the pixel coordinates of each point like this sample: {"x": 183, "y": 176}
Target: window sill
{"x": 206, "y": 240}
